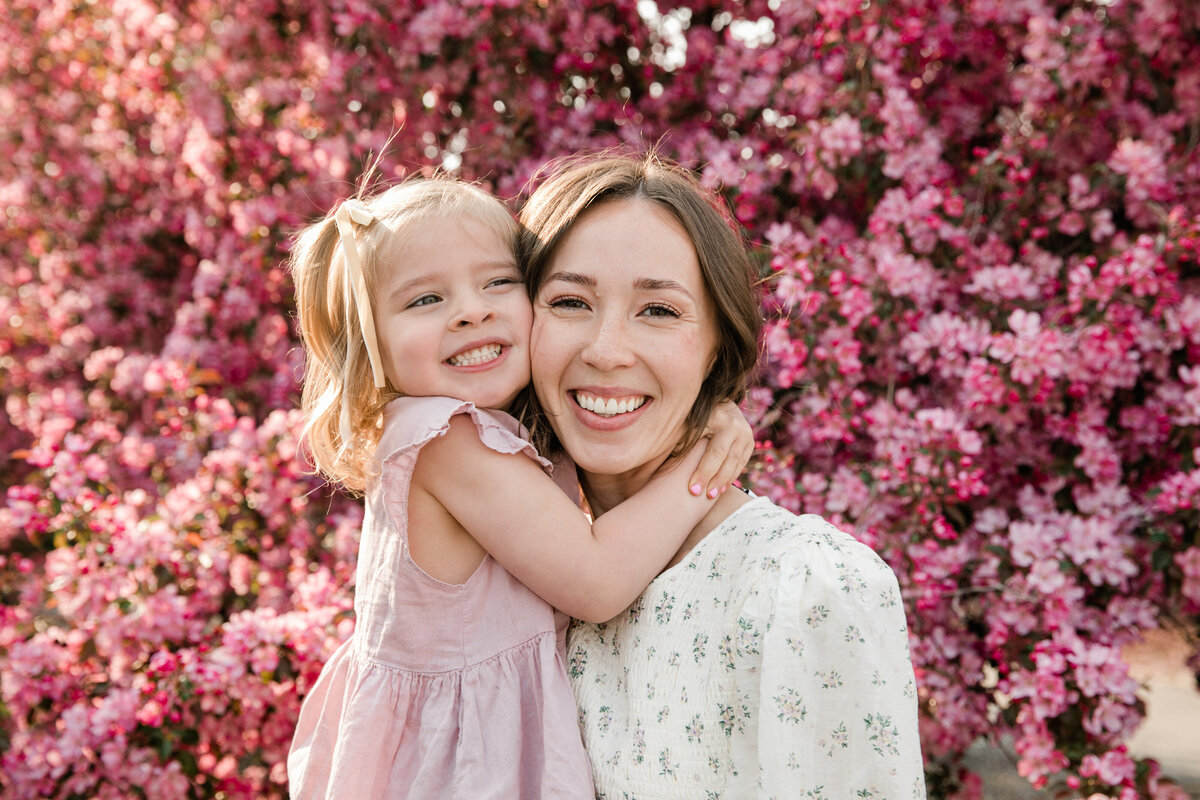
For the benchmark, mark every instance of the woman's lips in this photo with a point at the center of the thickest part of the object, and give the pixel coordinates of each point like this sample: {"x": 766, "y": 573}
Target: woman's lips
{"x": 607, "y": 412}
{"x": 609, "y": 406}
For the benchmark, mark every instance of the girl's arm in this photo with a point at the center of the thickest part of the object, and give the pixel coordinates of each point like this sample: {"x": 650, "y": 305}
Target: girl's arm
{"x": 507, "y": 504}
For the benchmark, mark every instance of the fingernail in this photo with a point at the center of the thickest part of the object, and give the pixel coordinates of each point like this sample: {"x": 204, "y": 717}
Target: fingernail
{"x": 712, "y": 494}
{"x": 696, "y": 489}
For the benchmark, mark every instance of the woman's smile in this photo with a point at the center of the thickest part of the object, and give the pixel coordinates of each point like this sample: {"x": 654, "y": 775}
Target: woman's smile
{"x": 600, "y": 411}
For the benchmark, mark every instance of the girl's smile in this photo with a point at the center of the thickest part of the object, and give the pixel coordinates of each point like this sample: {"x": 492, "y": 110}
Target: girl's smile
{"x": 482, "y": 356}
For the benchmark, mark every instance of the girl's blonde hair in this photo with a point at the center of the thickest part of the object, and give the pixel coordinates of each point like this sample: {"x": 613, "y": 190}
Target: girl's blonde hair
{"x": 337, "y": 371}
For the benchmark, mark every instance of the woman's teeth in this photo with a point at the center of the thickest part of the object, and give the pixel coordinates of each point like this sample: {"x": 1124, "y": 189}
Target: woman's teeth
{"x": 480, "y": 355}
{"x": 610, "y": 407}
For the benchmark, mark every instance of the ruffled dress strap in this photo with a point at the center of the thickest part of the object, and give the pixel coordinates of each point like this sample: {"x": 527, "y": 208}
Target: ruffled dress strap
{"x": 412, "y": 422}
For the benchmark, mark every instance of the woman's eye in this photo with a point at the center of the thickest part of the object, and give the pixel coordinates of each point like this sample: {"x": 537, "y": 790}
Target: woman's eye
{"x": 424, "y": 300}
{"x": 566, "y": 303}
{"x": 660, "y": 310}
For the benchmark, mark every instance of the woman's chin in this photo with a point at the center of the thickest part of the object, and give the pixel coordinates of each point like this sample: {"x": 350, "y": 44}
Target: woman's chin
{"x": 616, "y": 456}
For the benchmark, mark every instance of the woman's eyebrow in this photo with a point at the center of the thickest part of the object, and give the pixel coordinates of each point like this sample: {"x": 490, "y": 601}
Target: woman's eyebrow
{"x": 641, "y": 284}
{"x": 572, "y": 277}
{"x": 658, "y": 284}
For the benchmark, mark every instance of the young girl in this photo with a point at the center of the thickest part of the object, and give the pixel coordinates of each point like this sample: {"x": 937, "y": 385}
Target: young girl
{"x": 416, "y": 325}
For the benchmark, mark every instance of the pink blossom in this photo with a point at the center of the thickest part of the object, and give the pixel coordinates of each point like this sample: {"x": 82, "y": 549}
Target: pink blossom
{"x": 1145, "y": 173}
{"x": 1042, "y": 48}
{"x": 1099, "y": 670}
{"x": 1112, "y": 718}
{"x": 1013, "y": 282}
{"x": 1189, "y": 562}
{"x": 1114, "y": 768}
{"x": 903, "y": 273}
{"x": 1039, "y": 759}
{"x": 842, "y": 138}
{"x": 1046, "y": 577}
{"x": 1102, "y": 225}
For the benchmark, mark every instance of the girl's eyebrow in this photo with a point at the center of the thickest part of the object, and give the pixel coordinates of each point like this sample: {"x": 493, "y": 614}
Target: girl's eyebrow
{"x": 432, "y": 277}
{"x": 411, "y": 284}
{"x": 503, "y": 264}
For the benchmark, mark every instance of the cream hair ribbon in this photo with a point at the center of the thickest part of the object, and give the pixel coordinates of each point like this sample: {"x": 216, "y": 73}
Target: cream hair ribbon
{"x": 353, "y": 212}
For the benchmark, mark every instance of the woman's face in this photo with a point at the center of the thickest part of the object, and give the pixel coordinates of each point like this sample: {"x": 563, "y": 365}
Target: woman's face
{"x": 624, "y": 334}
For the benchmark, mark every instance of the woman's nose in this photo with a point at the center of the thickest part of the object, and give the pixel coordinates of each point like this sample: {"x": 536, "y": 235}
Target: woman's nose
{"x": 610, "y": 346}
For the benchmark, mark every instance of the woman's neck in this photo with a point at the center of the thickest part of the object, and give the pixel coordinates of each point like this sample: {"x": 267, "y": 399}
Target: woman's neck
{"x": 605, "y": 492}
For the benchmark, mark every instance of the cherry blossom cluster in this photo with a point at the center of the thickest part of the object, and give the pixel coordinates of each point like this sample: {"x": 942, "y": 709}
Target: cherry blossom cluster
{"x": 977, "y": 225}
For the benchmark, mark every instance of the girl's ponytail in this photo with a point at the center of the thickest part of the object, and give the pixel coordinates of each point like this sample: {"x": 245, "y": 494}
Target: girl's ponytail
{"x": 341, "y": 398}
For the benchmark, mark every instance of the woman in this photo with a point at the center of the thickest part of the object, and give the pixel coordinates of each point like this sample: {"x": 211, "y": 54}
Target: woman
{"x": 770, "y": 659}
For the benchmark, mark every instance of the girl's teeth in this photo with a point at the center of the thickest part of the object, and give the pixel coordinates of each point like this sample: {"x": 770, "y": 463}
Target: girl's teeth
{"x": 610, "y": 407}
{"x": 479, "y": 355}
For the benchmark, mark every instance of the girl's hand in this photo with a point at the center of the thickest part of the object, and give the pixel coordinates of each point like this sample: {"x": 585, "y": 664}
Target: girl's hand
{"x": 730, "y": 445}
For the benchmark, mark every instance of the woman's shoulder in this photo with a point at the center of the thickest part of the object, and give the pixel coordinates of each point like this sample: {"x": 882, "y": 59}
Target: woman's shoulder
{"x": 770, "y": 526}
{"x": 779, "y": 541}
{"x": 803, "y": 564}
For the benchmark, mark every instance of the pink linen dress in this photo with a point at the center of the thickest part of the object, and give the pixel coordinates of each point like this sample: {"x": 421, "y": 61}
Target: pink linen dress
{"x": 443, "y": 691}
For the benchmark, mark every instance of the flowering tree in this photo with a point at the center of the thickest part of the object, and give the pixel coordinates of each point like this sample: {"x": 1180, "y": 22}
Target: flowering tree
{"x": 978, "y": 223}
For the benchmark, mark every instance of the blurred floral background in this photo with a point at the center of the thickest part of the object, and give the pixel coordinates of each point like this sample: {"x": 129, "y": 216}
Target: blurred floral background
{"x": 977, "y": 225}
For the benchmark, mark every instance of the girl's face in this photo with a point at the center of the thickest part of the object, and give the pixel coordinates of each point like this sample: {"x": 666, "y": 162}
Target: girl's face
{"x": 452, "y": 315}
{"x": 624, "y": 335}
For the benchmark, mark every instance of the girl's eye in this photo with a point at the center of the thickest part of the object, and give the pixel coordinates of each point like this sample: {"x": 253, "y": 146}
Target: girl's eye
{"x": 424, "y": 300}
{"x": 566, "y": 303}
{"x": 660, "y": 310}
{"x": 505, "y": 281}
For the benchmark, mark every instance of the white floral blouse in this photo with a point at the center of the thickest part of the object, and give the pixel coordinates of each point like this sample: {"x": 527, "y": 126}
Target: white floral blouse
{"x": 771, "y": 662}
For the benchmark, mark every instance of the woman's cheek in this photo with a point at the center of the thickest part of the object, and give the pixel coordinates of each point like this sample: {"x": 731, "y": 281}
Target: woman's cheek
{"x": 546, "y": 350}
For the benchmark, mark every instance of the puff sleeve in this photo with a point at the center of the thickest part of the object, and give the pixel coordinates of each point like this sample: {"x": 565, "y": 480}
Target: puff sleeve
{"x": 834, "y": 689}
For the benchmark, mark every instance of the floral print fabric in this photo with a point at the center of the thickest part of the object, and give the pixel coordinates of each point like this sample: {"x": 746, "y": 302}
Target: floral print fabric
{"x": 771, "y": 662}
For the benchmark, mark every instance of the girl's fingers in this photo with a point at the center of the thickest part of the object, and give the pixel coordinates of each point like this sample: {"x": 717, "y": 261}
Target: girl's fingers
{"x": 711, "y": 463}
{"x": 730, "y": 445}
{"x": 733, "y": 466}
{"x": 725, "y": 458}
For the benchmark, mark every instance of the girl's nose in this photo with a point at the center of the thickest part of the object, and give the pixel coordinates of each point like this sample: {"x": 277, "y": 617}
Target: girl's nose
{"x": 473, "y": 311}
